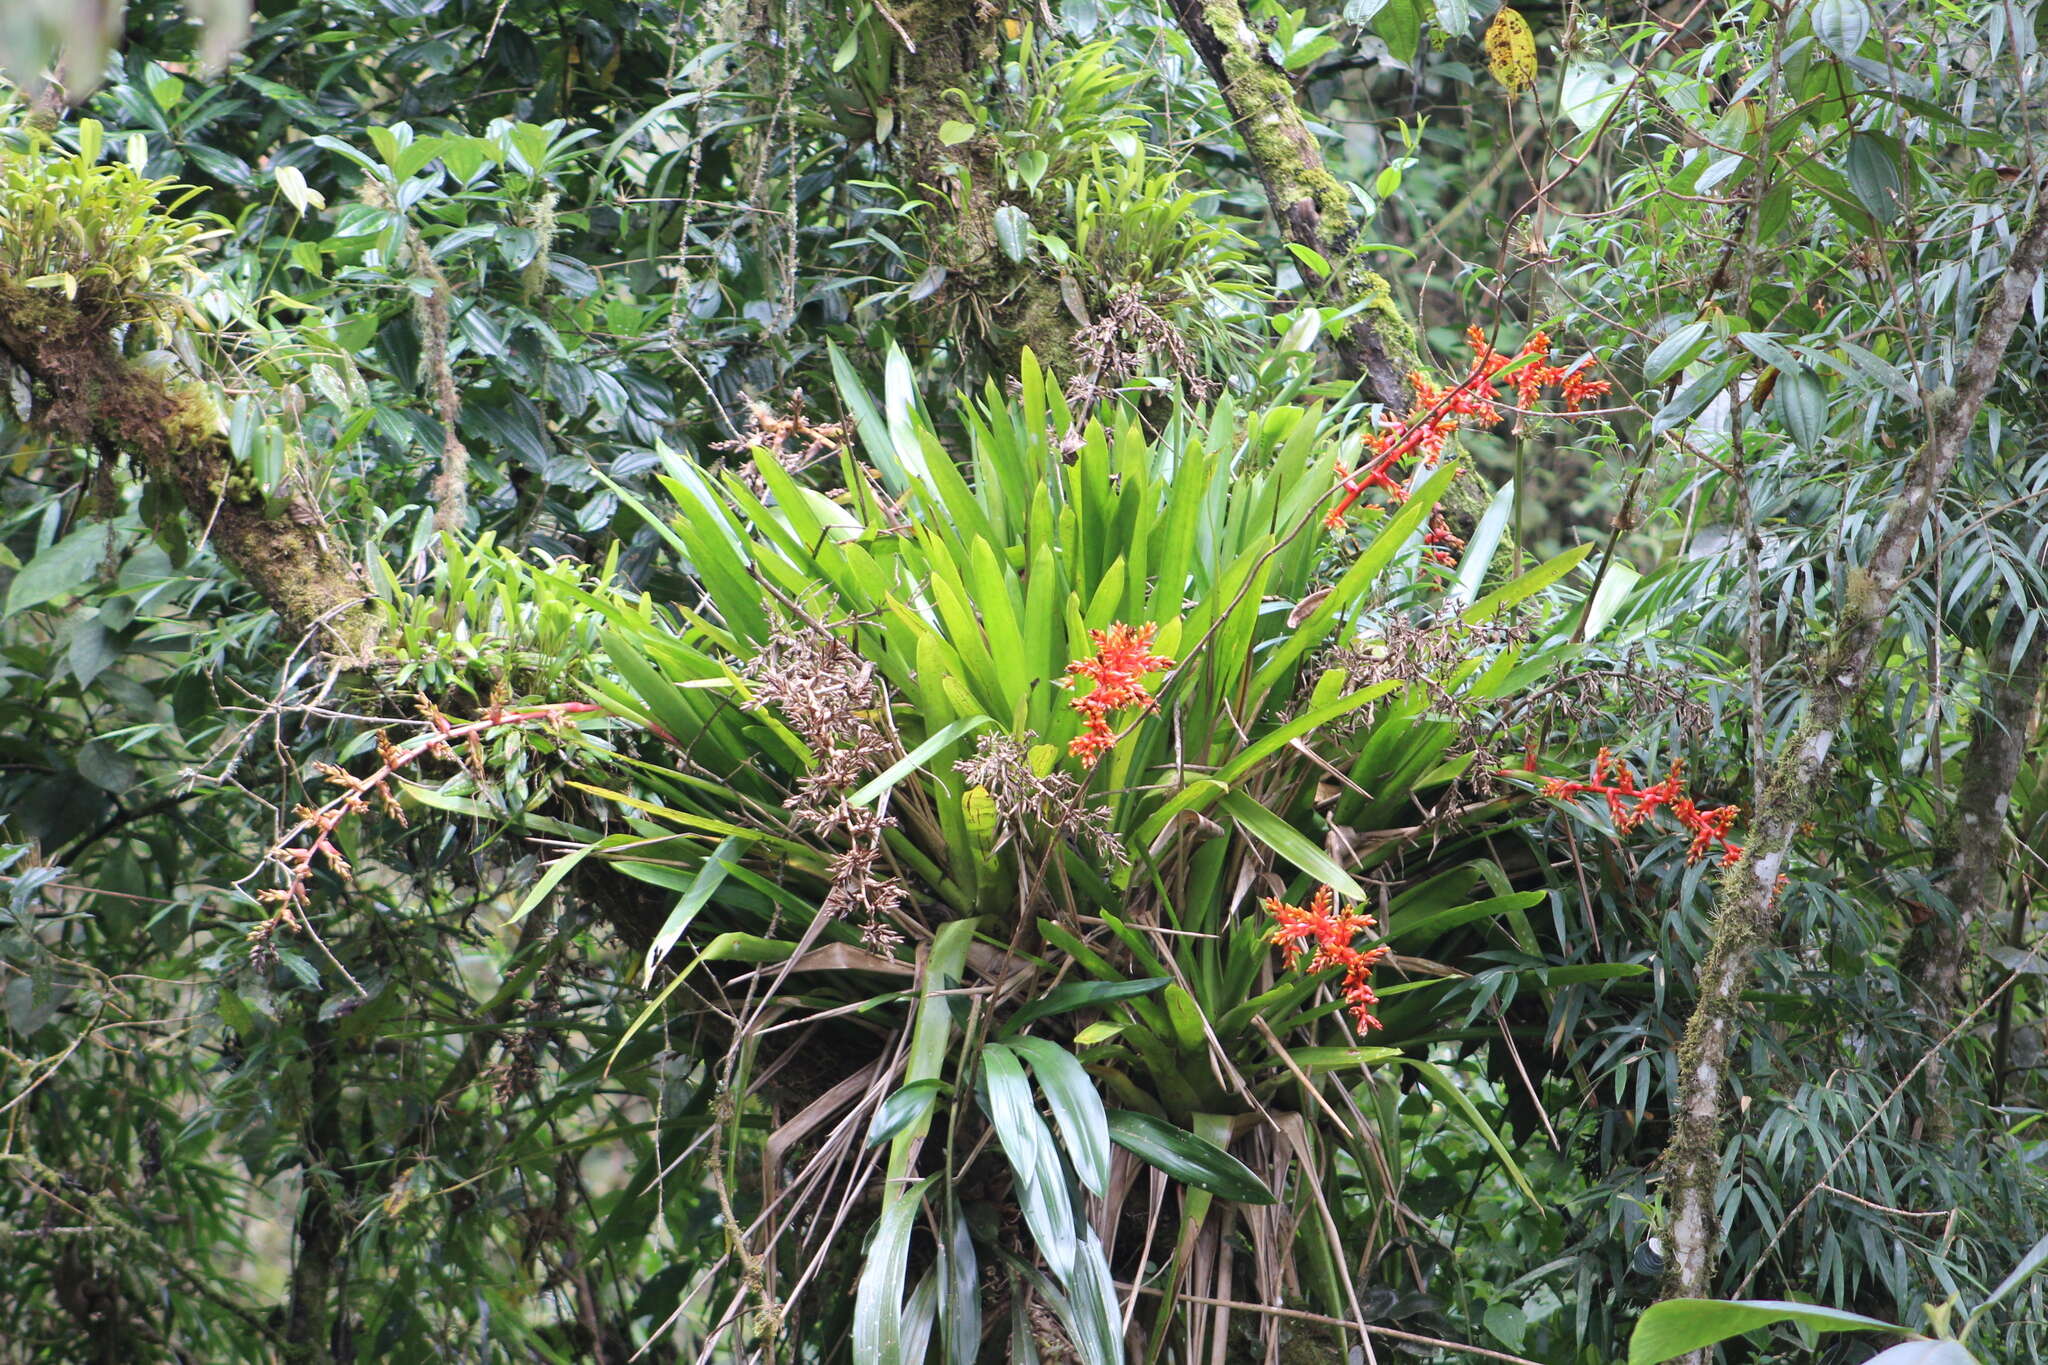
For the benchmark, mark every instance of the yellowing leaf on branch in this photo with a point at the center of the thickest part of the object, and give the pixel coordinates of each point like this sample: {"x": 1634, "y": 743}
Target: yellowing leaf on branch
{"x": 1511, "y": 50}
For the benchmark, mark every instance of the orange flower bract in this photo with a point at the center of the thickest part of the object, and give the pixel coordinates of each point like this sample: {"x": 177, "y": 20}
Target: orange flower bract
{"x": 1323, "y": 935}
{"x": 1123, "y": 656}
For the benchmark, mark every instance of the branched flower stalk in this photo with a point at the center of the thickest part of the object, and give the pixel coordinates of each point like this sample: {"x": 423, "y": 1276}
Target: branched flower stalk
{"x": 317, "y": 825}
{"x": 1323, "y": 934}
{"x": 827, "y": 693}
{"x": 1630, "y": 805}
{"x": 1437, "y": 414}
{"x": 1123, "y": 657}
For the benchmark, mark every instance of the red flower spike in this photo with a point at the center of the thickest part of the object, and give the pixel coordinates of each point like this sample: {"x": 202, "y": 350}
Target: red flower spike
{"x": 1630, "y": 806}
{"x": 1123, "y": 656}
{"x": 1437, "y": 413}
{"x": 1324, "y": 935}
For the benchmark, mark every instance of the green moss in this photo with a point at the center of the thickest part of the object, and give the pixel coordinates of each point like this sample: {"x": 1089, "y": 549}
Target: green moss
{"x": 1044, "y": 325}
{"x": 93, "y": 394}
{"x": 1396, "y": 334}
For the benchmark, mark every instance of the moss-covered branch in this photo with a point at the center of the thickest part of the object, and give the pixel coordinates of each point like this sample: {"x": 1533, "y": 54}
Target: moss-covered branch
{"x": 92, "y": 394}
{"x": 1312, "y": 207}
{"x": 1746, "y": 908}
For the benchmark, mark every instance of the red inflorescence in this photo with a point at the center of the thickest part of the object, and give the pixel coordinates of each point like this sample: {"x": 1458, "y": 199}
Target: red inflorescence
{"x": 1473, "y": 400}
{"x": 1123, "y": 656}
{"x": 1323, "y": 934}
{"x": 1631, "y": 805}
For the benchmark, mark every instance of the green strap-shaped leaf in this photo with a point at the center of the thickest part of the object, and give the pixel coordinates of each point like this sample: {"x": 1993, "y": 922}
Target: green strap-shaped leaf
{"x": 933, "y": 1031}
{"x": 1447, "y": 1093}
{"x": 1187, "y": 1158}
{"x": 1675, "y": 1327}
{"x": 1289, "y": 842}
{"x": 1076, "y": 1109}
{"x": 703, "y": 886}
{"x": 878, "y": 1297}
{"x": 1528, "y": 585}
{"x": 1081, "y": 994}
{"x": 916, "y": 759}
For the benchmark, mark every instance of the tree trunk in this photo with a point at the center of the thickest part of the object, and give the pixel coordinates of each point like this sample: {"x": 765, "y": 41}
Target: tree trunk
{"x": 1746, "y": 909}
{"x": 944, "y": 48}
{"x": 1312, "y": 208}
{"x": 95, "y": 396}
{"x": 1972, "y": 859}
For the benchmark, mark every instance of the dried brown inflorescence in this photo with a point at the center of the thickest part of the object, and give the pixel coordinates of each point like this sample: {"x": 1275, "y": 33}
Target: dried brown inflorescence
{"x": 1114, "y": 346}
{"x": 828, "y": 695}
{"x": 1027, "y": 802}
{"x": 792, "y": 439}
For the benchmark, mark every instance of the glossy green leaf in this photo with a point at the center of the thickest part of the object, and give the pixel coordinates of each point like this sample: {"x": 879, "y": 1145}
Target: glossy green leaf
{"x": 906, "y": 1105}
{"x": 1678, "y": 347}
{"x": 1187, "y": 1158}
{"x": 1675, "y": 1327}
{"x": 878, "y": 1295}
{"x": 1076, "y": 1109}
{"x": 1075, "y": 995}
{"x": 1028, "y": 1144}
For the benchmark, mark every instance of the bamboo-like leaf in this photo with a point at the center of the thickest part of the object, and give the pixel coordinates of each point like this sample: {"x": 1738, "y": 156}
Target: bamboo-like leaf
{"x": 2029, "y": 1263}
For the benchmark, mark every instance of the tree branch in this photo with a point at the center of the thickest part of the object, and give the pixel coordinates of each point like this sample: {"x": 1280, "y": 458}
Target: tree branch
{"x": 98, "y": 395}
{"x": 1972, "y": 849}
{"x": 1313, "y": 209}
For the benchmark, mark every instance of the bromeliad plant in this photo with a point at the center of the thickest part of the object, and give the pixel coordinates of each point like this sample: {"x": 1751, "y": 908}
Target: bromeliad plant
{"x": 1022, "y": 816}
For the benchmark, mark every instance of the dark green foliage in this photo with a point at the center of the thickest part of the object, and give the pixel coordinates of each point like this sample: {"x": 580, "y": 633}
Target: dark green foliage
{"x": 738, "y": 349}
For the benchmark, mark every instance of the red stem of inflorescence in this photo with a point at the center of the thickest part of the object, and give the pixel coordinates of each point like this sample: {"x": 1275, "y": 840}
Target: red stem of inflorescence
{"x": 1474, "y": 399}
{"x": 299, "y": 860}
{"x": 1374, "y": 475}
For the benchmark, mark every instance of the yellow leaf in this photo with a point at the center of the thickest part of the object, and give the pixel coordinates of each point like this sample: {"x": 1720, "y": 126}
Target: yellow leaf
{"x": 978, "y": 808}
{"x": 1511, "y": 50}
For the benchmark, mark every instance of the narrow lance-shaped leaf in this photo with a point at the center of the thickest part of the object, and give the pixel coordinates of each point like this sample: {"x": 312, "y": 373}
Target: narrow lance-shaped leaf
{"x": 1187, "y": 1158}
